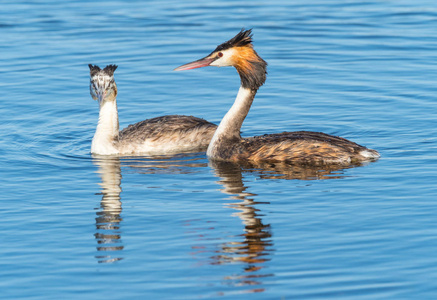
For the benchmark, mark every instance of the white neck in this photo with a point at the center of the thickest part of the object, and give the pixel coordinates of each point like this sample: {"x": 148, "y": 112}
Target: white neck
{"x": 233, "y": 120}
{"x": 106, "y": 136}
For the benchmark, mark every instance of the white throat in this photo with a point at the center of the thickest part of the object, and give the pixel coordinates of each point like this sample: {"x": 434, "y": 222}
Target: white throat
{"x": 106, "y": 136}
{"x": 231, "y": 123}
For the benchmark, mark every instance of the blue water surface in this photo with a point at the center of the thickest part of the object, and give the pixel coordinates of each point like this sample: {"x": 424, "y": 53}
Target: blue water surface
{"x": 77, "y": 226}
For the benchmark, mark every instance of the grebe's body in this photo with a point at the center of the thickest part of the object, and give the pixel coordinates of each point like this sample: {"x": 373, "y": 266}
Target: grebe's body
{"x": 302, "y": 147}
{"x": 158, "y": 136}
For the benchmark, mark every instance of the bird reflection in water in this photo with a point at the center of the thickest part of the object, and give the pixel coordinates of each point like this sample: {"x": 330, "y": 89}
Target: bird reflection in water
{"x": 255, "y": 245}
{"x": 108, "y": 220}
{"x": 252, "y": 248}
{"x": 108, "y": 233}
{"x": 284, "y": 170}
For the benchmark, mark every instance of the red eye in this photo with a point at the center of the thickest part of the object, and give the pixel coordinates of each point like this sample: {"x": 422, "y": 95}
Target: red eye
{"x": 219, "y": 54}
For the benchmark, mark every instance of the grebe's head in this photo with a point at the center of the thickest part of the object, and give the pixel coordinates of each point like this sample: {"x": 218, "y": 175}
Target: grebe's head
{"x": 102, "y": 84}
{"x": 239, "y": 53}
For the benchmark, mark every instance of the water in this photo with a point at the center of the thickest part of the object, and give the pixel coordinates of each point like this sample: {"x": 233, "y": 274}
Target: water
{"x": 76, "y": 226}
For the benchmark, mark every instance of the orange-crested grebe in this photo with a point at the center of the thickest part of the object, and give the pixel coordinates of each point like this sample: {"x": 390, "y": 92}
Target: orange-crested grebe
{"x": 157, "y": 136}
{"x": 302, "y": 147}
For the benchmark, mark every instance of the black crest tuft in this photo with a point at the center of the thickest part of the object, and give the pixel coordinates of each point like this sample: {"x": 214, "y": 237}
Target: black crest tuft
{"x": 108, "y": 70}
{"x": 94, "y": 69}
{"x": 243, "y": 38}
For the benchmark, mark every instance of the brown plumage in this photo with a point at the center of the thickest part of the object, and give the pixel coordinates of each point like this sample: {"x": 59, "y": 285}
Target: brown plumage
{"x": 302, "y": 147}
{"x": 299, "y": 147}
{"x": 156, "y": 127}
{"x": 188, "y": 132}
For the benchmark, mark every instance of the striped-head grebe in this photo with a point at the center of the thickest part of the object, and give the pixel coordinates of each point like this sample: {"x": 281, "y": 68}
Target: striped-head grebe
{"x": 302, "y": 147}
{"x": 158, "y": 136}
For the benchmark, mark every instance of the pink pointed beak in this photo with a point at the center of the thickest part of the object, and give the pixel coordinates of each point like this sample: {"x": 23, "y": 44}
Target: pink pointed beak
{"x": 203, "y": 62}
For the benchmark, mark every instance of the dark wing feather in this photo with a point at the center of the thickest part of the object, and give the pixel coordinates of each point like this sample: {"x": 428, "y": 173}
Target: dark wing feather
{"x": 303, "y": 136}
{"x": 301, "y": 147}
{"x": 158, "y": 127}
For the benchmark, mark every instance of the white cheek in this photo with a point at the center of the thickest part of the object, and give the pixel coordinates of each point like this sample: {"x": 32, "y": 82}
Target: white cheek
{"x": 225, "y": 60}
{"x": 216, "y": 63}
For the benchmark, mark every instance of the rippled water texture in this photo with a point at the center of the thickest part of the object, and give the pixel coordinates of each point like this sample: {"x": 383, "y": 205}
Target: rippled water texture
{"x": 74, "y": 226}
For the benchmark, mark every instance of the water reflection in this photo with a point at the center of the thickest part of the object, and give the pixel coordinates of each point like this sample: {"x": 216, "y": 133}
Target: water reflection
{"x": 179, "y": 164}
{"x": 283, "y": 170}
{"x": 255, "y": 244}
{"x": 254, "y": 247}
{"x": 108, "y": 220}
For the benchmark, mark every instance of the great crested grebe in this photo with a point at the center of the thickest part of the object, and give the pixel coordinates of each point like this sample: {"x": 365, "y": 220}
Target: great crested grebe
{"x": 157, "y": 136}
{"x": 302, "y": 147}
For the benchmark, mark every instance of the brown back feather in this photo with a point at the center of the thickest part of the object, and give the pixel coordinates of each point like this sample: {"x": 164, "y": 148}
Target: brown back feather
{"x": 158, "y": 127}
{"x": 301, "y": 147}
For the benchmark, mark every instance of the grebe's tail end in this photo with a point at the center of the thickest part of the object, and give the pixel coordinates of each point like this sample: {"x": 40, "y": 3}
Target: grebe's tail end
{"x": 370, "y": 154}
